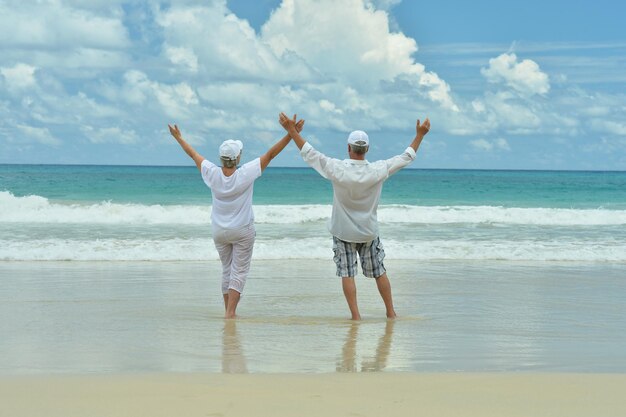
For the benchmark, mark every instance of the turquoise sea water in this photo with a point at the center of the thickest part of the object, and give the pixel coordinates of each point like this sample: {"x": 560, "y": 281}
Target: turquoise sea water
{"x": 182, "y": 185}
{"x": 50, "y": 212}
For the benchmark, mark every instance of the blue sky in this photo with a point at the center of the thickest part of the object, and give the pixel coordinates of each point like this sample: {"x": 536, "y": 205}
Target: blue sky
{"x": 507, "y": 85}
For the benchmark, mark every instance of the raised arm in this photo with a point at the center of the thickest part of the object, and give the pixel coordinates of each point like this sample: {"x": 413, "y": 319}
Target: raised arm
{"x": 420, "y": 131}
{"x": 324, "y": 165}
{"x": 398, "y": 162}
{"x": 280, "y": 145}
{"x": 189, "y": 150}
{"x": 290, "y": 127}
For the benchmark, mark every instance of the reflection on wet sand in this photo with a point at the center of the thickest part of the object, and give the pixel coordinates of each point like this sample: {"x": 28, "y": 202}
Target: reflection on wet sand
{"x": 233, "y": 359}
{"x": 348, "y": 360}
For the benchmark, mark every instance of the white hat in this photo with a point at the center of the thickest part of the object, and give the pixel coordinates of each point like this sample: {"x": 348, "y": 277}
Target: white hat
{"x": 230, "y": 149}
{"x": 358, "y": 137}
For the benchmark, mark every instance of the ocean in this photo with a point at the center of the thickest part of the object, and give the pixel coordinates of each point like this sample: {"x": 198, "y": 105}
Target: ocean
{"x": 124, "y": 213}
{"x": 112, "y": 269}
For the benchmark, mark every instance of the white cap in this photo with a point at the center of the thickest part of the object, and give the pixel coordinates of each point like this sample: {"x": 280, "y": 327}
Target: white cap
{"x": 230, "y": 149}
{"x": 358, "y": 137}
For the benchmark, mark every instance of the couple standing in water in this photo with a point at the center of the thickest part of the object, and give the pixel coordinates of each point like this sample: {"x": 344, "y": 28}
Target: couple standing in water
{"x": 357, "y": 185}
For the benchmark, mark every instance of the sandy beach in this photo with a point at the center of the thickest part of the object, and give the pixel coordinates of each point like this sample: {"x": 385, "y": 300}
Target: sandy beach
{"x": 373, "y": 394}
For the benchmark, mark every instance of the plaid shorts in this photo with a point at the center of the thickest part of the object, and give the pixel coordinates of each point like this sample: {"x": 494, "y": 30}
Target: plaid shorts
{"x": 371, "y": 254}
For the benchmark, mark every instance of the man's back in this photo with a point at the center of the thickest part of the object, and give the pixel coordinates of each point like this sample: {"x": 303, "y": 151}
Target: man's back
{"x": 357, "y": 185}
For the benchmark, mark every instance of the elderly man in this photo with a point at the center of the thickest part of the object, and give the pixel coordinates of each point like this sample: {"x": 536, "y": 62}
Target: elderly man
{"x": 357, "y": 185}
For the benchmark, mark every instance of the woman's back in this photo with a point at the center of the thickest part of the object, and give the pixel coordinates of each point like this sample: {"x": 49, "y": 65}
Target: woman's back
{"x": 232, "y": 195}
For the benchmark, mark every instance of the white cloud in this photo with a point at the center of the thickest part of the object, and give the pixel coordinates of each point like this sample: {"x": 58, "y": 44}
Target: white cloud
{"x": 239, "y": 96}
{"x": 59, "y": 37}
{"x": 100, "y": 6}
{"x": 83, "y": 60}
{"x": 19, "y": 76}
{"x": 486, "y": 145}
{"x": 80, "y": 108}
{"x": 609, "y": 126}
{"x": 383, "y": 4}
{"x": 175, "y": 100}
{"x": 482, "y": 144}
{"x": 502, "y": 143}
{"x": 606, "y": 146}
{"x": 246, "y": 105}
{"x": 355, "y": 48}
{"x": 329, "y": 107}
{"x": 136, "y": 85}
{"x": 226, "y": 47}
{"x": 524, "y": 76}
{"x": 36, "y": 134}
{"x": 596, "y": 111}
{"x": 478, "y": 106}
{"x": 110, "y": 135}
{"x": 507, "y": 112}
{"x": 183, "y": 57}
{"x": 355, "y": 43}
{"x": 53, "y": 24}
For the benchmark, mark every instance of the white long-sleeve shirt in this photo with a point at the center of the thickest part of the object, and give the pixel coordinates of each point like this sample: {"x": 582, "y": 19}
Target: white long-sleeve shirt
{"x": 356, "y": 190}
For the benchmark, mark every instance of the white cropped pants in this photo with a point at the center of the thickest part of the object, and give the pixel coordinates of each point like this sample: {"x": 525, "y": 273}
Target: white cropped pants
{"x": 235, "y": 249}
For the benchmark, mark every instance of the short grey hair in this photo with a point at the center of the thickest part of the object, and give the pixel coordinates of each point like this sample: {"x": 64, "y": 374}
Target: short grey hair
{"x": 359, "y": 148}
{"x": 228, "y": 163}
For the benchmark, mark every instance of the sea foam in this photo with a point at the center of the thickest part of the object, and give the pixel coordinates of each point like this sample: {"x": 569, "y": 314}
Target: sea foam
{"x": 33, "y": 228}
{"x": 37, "y": 209}
{"x": 200, "y": 249}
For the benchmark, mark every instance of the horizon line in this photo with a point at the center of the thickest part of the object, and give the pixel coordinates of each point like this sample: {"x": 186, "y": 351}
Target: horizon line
{"x": 307, "y": 167}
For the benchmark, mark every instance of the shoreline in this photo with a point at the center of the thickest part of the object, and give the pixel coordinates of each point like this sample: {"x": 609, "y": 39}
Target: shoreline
{"x": 333, "y": 394}
{"x": 167, "y": 317}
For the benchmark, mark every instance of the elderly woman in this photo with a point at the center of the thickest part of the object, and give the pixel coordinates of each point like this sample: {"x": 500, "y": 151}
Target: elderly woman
{"x": 232, "y": 219}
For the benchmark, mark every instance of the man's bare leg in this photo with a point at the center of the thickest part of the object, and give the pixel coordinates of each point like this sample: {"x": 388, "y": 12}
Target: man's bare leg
{"x": 384, "y": 288}
{"x": 231, "y": 307}
{"x": 349, "y": 290}
{"x": 225, "y": 302}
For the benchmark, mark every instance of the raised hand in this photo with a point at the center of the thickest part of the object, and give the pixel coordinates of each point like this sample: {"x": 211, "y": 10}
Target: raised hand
{"x": 174, "y": 131}
{"x": 286, "y": 122}
{"x": 189, "y": 150}
{"x": 422, "y": 129}
{"x": 299, "y": 125}
{"x": 293, "y": 128}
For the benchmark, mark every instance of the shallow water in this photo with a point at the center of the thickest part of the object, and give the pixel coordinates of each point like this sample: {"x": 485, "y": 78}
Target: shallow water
{"x": 105, "y": 317}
